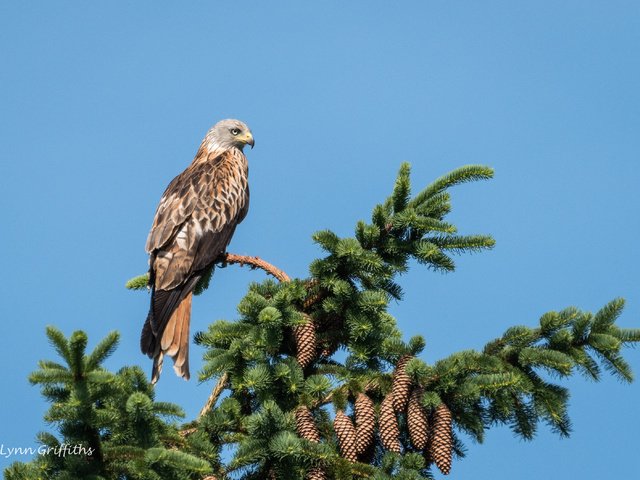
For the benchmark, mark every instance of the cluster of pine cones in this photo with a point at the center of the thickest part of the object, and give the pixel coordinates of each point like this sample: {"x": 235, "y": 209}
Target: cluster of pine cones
{"x": 430, "y": 433}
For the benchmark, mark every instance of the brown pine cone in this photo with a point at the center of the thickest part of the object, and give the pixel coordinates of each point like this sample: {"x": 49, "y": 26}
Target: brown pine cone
{"x": 329, "y": 329}
{"x": 346, "y": 434}
{"x": 316, "y": 473}
{"x": 389, "y": 431}
{"x": 314, "y": 294}
{"x": 441, "y": 444}
{"x": 365, "y": 423}
{"x": 417, "y": 421}
{"x": 305, "y": 337}
{"x": 327, "y": 352}
{"x": 306, "y": 425}
{"x": 401, "y": 385}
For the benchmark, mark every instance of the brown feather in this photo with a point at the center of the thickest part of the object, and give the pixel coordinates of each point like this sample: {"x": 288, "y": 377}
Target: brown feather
{"x": 169, "y": 331}
{"x": 181, "y": 345}
{"x": 197, "y": 217}
{"x": 181, "y": 317}
{"x": 195, "y": 220}
{"x": 157, "y": 367}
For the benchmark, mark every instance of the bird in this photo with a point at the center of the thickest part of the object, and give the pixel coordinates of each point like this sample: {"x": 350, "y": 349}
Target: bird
{"x": 195, "y": 220}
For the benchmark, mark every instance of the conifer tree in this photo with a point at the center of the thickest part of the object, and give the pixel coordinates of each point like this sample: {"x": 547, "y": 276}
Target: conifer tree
{"x": 109, "y": 423}
{"x": 311, "y": 362}
{"x": 358, "y": 349}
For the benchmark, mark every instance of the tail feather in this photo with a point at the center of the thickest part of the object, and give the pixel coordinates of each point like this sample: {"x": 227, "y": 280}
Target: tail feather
{"x": 174, "y": 342}
{"x": 147, "y": 338}
{"x": 166, "y": 341}
{"x": 163, "y": 304}
{"x": 166, "y": 330}
{"x": 157, "y": 367}
{"x": 181, "y": 355}
{"x": 175, "y": 328}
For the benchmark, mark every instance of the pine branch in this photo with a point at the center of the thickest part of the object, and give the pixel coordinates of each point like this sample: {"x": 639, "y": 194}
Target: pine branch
{"x": 215, "y": 394}
{"x": 141, "y": 282}
{"x": 255, "y": 262}
{"x": 460, "y": 175}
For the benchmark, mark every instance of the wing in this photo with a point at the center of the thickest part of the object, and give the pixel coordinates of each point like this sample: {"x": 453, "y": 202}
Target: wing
{"x": 177, "y": 203}
{"x": 197, "y": 217}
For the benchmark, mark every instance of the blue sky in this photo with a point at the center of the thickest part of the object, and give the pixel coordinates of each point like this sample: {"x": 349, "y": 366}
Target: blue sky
{"x": 103, "y": 103}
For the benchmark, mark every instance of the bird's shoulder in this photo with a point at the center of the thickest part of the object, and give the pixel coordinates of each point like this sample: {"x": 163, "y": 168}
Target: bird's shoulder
{"x": 202, "y": 166}
{"x": 192, "y": 190}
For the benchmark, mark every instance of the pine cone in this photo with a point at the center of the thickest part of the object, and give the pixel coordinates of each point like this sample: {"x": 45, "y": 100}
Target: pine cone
{"x": 346, "y": 433}
{"x": 330, "y": 329}
{"x": 316, "y": 473}
{"x": 305, "y": 425}
{"x": 365, "y": 423}
{"x": 401, "y": 385}
{"x": 314, "y": 294}
{"x": 305, "y": 336}
{"x": 327, "y": 352}
{"x": 441, "y": 445}
{"x": 389, "y": 431}
{"x": 417, "y": 421}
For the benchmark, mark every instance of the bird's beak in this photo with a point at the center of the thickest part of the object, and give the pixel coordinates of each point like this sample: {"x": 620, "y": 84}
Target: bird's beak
{"x": 249, "y": 139}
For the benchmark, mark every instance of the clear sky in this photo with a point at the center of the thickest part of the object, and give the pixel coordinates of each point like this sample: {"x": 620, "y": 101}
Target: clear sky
{"x": 103, "y": 103}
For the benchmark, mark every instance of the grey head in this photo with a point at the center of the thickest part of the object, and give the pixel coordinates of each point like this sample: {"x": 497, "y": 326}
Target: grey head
{"x": 229, "y": 133}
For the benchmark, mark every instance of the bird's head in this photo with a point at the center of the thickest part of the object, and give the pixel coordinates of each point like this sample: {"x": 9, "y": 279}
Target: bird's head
{"x": 229, "y": 133}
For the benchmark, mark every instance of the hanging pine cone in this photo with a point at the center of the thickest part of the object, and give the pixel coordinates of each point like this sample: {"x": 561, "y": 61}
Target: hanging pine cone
{"x": 346, "y": 433}
{"x": 330, "y": 329}
{"x": 327, "y": 352}
{"x": 316, "y": 473}
{"x": 365, "y": 423}
{"x": 314, "y": 294}
{"x": 401, "y": 385}
{"x": 417, "y": 421}
{"x": 305, "y": 336}
{"x": 306, "y": 425}
{"x": 441, "y": 444}
{"x": 389, "y": 431}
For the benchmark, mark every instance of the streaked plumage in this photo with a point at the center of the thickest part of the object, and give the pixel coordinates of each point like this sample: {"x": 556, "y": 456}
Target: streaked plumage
{"x": 195, "y": 220}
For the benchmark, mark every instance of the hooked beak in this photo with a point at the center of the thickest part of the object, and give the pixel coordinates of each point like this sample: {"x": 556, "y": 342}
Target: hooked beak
{"x": 249, "y": 139}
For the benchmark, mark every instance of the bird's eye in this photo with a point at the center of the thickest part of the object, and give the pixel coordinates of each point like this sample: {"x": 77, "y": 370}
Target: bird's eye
{"x": 234, "y": 131}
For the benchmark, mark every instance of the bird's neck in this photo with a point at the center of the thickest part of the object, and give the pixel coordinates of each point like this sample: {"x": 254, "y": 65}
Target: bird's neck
{"x": 210, "y": 150}
{"x": 211, "y": 146}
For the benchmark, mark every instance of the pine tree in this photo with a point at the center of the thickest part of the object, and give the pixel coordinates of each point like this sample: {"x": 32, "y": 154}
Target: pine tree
{"x": 113, "y": 423}
{"x": 304, "y": 348}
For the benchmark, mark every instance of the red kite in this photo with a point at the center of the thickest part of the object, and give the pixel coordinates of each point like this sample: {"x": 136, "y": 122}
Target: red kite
{"x": 194, "y": 223}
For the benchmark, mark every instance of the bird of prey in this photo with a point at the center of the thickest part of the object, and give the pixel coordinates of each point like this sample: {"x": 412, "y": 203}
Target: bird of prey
{"x": 194, "y": 223}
